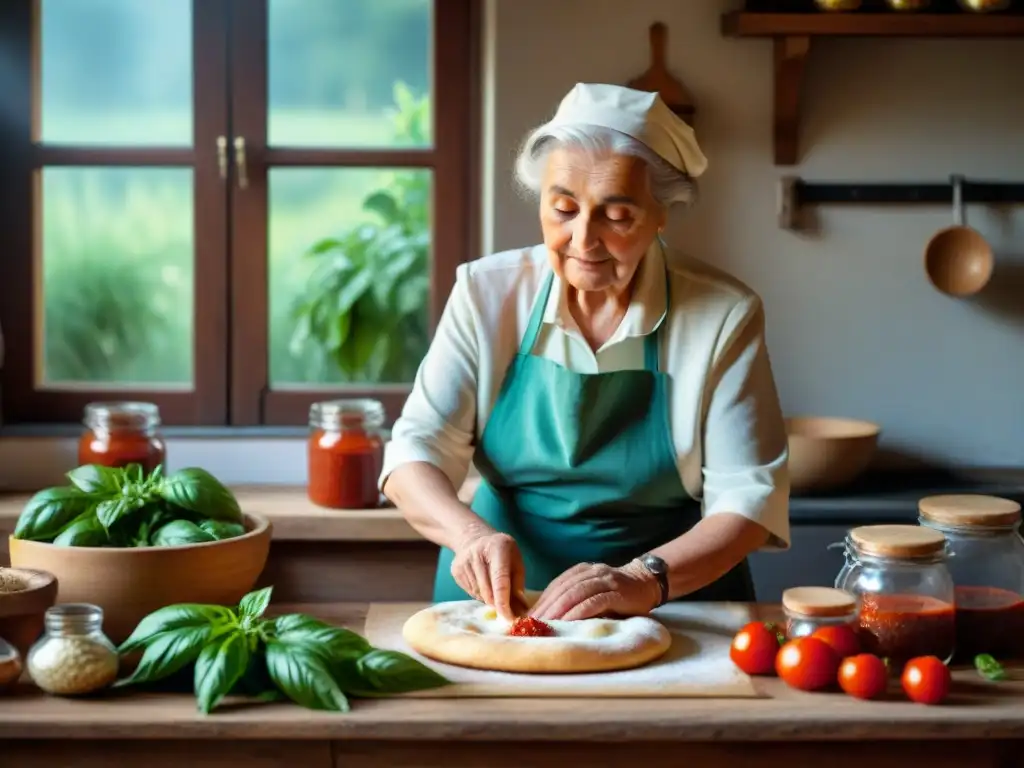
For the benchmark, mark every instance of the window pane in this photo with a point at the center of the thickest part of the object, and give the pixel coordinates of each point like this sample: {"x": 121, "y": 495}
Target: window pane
{"x": 338, "y": 69}
{"x": 116, "y": 72}
{"x": 117, "y": 248}
{"x": 349, "y": 274}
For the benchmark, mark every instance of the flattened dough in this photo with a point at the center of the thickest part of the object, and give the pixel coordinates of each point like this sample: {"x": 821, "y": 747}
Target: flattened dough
{"x": 468, "y": 633}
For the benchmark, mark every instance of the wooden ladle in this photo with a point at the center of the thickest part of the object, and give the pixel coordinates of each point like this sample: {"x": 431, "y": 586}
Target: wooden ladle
{"x": 958, "y": 260}
{"x": 658, "y": 79}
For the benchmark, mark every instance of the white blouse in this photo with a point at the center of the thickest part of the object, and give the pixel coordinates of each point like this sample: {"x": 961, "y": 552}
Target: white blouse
{"x": 724, "y": 412}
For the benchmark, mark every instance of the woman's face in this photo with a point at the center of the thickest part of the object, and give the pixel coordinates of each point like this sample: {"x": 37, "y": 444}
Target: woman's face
{"x": 598, "y": 218}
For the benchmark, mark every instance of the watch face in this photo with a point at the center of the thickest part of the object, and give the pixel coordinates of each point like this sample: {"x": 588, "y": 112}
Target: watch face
{"x": 654, "y": 564}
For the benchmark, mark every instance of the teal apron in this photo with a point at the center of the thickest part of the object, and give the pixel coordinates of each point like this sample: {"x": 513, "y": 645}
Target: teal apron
{"x": 581, "y": 467}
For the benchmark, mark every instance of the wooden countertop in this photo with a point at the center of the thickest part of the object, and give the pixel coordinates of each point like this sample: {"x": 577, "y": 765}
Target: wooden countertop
{"x": 975, "y": 710}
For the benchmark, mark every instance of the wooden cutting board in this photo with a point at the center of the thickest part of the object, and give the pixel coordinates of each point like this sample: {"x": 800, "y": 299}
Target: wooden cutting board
{"x": 697, "y": 664}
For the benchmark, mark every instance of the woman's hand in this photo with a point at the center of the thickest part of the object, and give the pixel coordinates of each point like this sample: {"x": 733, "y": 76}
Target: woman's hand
{"x": 489, "y": 566}
{"x": 589, "y": 590}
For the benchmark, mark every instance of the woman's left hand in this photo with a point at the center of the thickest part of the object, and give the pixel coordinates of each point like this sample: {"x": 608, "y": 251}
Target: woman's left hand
{"x": 589, "y": 590}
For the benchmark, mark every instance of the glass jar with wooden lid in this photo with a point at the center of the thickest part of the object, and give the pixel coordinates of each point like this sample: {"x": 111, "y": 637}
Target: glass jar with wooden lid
{"x": 987, "y": 565}
{"x": 809, "y": 608}
{"x": 345, "y": 453}
{"x": 117, "y": 434}
{"x": 899, "y": 574}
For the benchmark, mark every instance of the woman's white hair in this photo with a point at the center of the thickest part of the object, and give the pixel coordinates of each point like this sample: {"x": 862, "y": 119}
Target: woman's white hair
{"x": 669, "y": 186}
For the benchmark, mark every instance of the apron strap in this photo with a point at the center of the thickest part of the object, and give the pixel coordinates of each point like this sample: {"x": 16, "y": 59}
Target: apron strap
{"x": 536, "y": 316}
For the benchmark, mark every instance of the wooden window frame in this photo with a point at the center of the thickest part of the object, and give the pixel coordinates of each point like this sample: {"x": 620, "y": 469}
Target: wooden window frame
{"x": 231, "y": 288}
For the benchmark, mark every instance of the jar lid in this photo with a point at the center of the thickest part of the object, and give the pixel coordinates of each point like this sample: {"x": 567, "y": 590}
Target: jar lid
{"x": 970, "y": 510}
{"x": 898, "y": 541}
{"x": 347, "y": 414}
{"x": 819, "y": 601}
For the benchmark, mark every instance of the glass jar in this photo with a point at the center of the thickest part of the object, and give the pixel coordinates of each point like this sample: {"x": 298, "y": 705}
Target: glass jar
{"x": 985, "y": 6}
{"x": 119, "y": 434}
{"x": 346, "y": 453}
{"x": 837, "y": 5}
{"x": 810, "y": 608}
{"x": 73, "y": 657}
{"x": 987, "y": 566}
{"x": 908, "y": 5}
{"x": 899, "y": 574}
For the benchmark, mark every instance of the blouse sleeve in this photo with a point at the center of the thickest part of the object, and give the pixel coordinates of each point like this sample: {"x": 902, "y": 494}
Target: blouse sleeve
{"x": 437, "y": 422}
{"x": 746, "y": 451}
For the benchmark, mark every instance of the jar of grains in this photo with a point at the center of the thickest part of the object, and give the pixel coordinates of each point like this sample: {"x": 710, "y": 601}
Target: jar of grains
{"x": 345, "y": 453}
{"x": 987, "y": 565}
{"x": 899, "y": 574}
{"x": 810, "y": 608}
{"x": 119, "y": 434}
{"x": 73, "y": 657}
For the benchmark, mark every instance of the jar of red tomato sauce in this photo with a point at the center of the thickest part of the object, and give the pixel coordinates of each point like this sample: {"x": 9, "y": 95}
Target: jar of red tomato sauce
{"x": 121, "y": 433}
{"x": 808, "y": 609}
{"x": 346, "y": 453}
{"x": 907, "y": 606}
{"x": 987, "y": 565}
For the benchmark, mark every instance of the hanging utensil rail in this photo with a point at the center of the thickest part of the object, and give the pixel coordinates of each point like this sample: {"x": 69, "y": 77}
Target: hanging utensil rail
{"x": 794, "y": 193}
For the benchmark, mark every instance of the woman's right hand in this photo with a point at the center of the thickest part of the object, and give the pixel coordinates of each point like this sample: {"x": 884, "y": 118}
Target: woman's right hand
{"x": 489, "y": 566}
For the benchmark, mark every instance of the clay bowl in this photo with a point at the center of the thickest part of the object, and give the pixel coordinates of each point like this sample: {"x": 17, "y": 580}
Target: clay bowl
{"x": 958, "y": 261}
{"x": 22, "y": 611}
{"x": 828, "y": 452}
{"x": 129, "y": 584}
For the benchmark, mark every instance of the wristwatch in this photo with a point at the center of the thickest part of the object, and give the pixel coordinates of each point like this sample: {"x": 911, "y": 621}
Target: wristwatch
{"x": 659, "y": 568}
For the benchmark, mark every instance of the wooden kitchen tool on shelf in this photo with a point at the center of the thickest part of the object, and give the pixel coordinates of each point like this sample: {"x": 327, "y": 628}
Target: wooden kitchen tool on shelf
{"x": 657, "y": 78}
{"x": 958, "y": 260}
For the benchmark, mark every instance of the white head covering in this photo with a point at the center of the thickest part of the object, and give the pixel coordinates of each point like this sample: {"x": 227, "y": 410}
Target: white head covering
{"x": 640, "y": 114}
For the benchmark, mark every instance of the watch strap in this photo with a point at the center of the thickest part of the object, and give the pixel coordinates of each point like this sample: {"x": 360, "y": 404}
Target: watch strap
{"x": 659, "y": 568}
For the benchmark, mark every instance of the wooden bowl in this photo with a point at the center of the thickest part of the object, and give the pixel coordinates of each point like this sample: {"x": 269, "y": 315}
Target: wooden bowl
{"x": 958, "y": 261}
{"x": 22, "y": 612}
{"x": 828, "y": 452}
{"x": 130, "y": 583}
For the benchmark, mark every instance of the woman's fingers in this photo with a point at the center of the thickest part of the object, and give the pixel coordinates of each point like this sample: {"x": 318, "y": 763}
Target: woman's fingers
{"x": 572, "y": 594}
{"x": 482, "y": 576}
{"x": 557, "y": 587}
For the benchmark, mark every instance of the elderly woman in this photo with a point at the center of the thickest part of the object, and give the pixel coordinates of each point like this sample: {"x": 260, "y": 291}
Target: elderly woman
{"x": 601, "y": 388}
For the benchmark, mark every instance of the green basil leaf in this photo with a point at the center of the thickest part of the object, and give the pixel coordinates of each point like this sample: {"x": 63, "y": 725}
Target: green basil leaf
{"x": 174, "y": 617}
{"x": 292, "y": 622}
{"x": 218, "y": 668}
{"x": 179, "y": 532}
{"x": 97, "y": 479}
{"x": 198, "y": 491}
{"x": 333, "y": 644}
{"x": 988, "y": 667}
{"x": 50, "y": 511}
{"x": 168, "y": 652}
{"x": 86, "y": 531}
{"x": 221, "y": 529}
{"x": 395, "y": 672}
{"x": 304, "y": 678}
{"x": 112, "y": 511}
{"x": 255, "y": 603}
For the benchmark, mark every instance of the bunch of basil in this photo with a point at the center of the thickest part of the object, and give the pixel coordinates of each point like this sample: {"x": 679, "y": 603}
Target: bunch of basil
{"x": 121, "y": 507}
{"x": 295, "y": 656}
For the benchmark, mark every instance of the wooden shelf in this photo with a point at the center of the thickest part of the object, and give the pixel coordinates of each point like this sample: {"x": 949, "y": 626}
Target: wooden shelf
{"x": 824, "y": 24}
{"x": 792, "y": 34}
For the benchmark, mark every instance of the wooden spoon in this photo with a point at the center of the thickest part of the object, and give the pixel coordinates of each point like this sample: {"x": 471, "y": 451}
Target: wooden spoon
{"x": 958, "y": 260}
{"x": 657, "y": 78}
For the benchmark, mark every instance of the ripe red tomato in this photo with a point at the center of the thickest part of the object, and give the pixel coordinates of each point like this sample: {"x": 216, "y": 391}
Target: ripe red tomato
{"x": 926, "y": 680}
{"x": 754, "y": 647}
{"x": 863, "y": 676}
{"x": 807, "y": 663}
{"x": 842, "y": 638}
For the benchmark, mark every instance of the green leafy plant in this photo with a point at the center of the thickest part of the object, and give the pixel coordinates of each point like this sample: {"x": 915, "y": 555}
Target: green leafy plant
{"x": 364, "y": 303}
{"x": 989, "y": 668}
{"x": 121, "y": 507}
{"x": 294, "y": 657}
